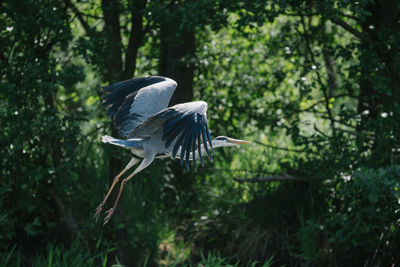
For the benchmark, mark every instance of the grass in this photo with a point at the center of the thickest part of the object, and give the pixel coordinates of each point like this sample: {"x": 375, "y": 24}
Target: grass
{"x": 58, "y": 255}
{"x": 79, "y": 255}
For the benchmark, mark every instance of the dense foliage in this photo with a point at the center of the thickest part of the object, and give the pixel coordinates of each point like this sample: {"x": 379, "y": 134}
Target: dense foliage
{"x": 314, "y": 85}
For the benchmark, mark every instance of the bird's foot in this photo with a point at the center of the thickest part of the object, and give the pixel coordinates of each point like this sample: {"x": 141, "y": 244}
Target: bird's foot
{"x": 98, "y": 211}
{"x": 109, "y": 214}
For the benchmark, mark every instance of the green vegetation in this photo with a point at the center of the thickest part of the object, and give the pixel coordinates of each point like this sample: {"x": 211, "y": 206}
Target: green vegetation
{"x": 314, "y": 85}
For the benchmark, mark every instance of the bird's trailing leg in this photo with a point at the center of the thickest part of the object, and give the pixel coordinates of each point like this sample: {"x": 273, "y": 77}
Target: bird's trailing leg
{"x": 116, "y": 179}
{"x": 110, "y": 212}
{"x": 146, "y": 162}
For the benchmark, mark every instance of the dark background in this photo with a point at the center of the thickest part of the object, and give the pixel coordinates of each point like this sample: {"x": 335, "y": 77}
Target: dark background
{"x": 315, "y": 85}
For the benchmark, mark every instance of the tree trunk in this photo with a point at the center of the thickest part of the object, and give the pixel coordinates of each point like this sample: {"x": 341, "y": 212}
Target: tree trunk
{"x": 118, "y": 64}
{"x": 379, "y": 60}
{"x": 112, "y": 33}
{"x": 117, "y": 71}
{"x": 176, "y": 62}
{"x": 135, "y": 38}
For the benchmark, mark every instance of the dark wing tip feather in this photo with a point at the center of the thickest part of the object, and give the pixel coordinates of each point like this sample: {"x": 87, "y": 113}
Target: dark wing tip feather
{"x": 198, "y": 150}
{"x": 186, "y": 155}
{"x": 194, "y": 152}
{"x": 203, "y": 135}
{"x": 209, "y": 138}
{"x": 183, "y": 127}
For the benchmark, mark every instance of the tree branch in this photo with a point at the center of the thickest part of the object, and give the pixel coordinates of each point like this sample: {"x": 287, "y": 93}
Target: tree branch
{"x": 347, "y": 27}
{"x": 275, "y": 178}
{"x": 78, "y": 14}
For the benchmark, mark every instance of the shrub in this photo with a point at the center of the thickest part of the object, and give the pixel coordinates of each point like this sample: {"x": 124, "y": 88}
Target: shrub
{"x": 364, "y": 218}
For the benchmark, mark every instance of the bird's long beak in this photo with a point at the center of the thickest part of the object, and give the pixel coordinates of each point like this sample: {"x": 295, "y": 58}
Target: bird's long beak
{"x": 238, "y": 141}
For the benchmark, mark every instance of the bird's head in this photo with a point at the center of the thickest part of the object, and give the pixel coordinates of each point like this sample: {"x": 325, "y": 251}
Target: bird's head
{"x": 227, "y": 141}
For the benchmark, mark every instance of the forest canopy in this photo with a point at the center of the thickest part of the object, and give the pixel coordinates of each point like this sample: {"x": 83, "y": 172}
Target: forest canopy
{"x": 315, "y": 85}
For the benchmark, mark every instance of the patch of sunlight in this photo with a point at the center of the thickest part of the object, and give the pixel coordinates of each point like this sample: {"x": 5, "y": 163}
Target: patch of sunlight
{"x": 172, "y": 250}
{"x": 92, "y": 100}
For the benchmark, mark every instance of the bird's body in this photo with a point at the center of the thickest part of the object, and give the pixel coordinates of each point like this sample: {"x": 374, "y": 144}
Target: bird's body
{"x": 140, "y": 112}
{"x": 136, "y": 147}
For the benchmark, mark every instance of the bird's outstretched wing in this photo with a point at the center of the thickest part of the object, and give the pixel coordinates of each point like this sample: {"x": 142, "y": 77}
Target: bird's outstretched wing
{"x": 185, "y": 129}
{"x": 129, "y": 103}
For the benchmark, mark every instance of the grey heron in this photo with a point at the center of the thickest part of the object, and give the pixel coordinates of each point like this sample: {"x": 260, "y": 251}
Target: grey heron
{"x": 139, "y": 110}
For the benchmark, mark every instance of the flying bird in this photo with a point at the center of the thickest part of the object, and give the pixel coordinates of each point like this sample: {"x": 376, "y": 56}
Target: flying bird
{"x": 139, "y": 110}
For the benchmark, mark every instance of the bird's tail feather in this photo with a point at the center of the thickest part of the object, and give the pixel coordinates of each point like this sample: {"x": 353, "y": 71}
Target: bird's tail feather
{"x": 130, "y": 143}
{"x": 109, "y": 139}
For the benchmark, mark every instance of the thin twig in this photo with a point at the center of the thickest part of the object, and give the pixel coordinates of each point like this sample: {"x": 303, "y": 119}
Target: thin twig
{"x": 90, "y": 16}
{"x": 94, "y": 131}
{"x": 318, "y": 130}
{"x": 279, "y": 148}
{"x": 323, "y": 101}
{"x": 301, "y": 14}
{"x": 350, "y": 17}
{"x": 319, "y": 14}
{"x": 239, "y": 171}
{"x": 368, "y": 135}
{"x": 337, "y": 121}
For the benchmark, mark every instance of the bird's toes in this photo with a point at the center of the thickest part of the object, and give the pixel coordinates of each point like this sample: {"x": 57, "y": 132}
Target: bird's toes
{"x": 108, "y": 216}
{"x": 97, "y": 213}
